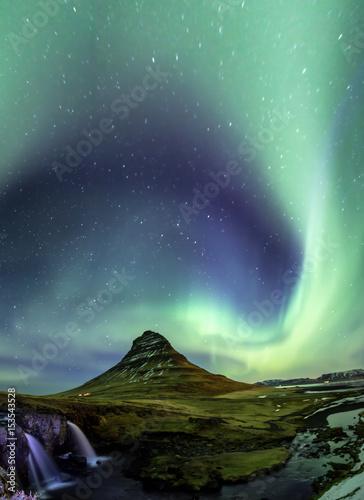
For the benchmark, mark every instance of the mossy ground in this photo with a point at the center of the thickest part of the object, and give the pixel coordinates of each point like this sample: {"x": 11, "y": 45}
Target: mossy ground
{"x": 209, "y": 472}
{"x": 190, "y": 443}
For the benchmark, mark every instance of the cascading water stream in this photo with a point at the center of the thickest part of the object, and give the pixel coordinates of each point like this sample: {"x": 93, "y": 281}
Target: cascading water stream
{"x": 42, "y": 467}
{"x": 82, "y": 445}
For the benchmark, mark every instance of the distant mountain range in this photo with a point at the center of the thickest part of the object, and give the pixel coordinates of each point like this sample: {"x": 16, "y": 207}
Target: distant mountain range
{"x": 153, "y": 369}
{"x": 326, "y": 377}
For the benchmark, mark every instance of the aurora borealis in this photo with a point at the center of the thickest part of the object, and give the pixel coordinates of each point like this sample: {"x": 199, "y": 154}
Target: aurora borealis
{"x": 213, "y": 189}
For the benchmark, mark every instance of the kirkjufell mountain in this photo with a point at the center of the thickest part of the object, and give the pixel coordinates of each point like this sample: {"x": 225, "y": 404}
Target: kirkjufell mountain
{"x": 152, "y": 368}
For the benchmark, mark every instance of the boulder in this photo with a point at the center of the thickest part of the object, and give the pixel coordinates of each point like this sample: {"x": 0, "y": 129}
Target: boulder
{"x": 49, "y": 428}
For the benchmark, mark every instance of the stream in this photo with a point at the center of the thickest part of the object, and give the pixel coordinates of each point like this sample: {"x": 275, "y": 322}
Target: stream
{"x": 310, "y": 457}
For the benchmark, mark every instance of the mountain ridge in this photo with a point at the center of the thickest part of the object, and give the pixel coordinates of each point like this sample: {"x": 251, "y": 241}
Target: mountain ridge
{"x": 356, "y": 374}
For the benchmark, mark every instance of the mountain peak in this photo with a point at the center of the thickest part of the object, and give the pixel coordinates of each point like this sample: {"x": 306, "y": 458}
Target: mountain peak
{"x": 150, "y": 340}
{"x": 153, "y": 368}
{"x": 151, "y": 347}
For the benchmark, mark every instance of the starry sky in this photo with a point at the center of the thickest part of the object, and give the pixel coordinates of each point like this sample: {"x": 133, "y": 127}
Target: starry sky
{"x": 194, "y": 169}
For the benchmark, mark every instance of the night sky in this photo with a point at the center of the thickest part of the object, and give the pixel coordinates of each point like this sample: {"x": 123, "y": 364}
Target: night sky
{"x": 191, "y": 168}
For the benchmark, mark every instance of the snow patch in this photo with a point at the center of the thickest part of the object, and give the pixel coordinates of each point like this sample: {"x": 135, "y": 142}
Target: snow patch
{"x": 346, "y": 489}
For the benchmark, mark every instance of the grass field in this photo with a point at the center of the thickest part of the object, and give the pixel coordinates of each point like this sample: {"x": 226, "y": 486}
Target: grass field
{"x": 226, "y": 438}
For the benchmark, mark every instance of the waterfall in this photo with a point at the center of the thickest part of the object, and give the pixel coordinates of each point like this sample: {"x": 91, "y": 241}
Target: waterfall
{"x": 82, "y": 445}
{"x": 42, "y": 467}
